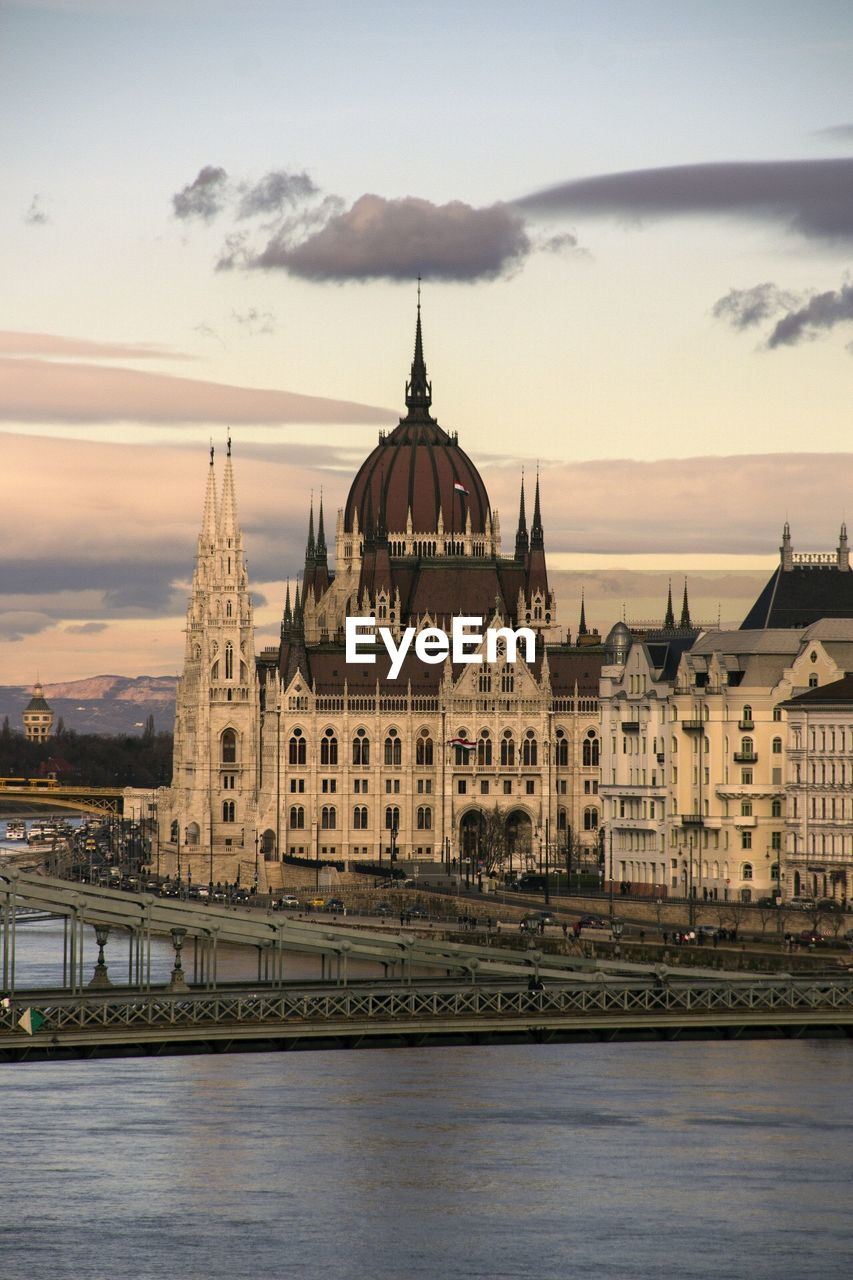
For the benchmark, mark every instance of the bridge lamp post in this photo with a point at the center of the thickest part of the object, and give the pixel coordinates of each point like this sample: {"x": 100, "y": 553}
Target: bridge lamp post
{"x": 257, "y": 867}
{"x": 178, "y": 981}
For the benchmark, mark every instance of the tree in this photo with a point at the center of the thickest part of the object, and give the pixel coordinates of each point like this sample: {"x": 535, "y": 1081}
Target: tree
{"x": 6, "y": 731}
{"x": 492, "y": 840}
{"x": 60, "y": 728}
{"x": 148, "y": 731}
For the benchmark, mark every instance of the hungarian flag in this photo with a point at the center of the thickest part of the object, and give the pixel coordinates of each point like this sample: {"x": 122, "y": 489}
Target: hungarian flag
{"x": 30, "y": 1021}
{"x": 460, "y": 488}
{"x": 463, "y": 743}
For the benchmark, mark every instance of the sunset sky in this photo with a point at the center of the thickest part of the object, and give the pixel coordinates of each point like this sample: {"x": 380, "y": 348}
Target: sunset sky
{"x": 633, "y": 221}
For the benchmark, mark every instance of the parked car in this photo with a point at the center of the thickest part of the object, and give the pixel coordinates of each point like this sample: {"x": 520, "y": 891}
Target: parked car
{"x": 383, "y": 909}
{"x": 811, "y": 938}
{"x": 801, "y": 904}
{"x": 335, "y": 904}
{"x": 316, "y": 904}
{"x": 287, "y": 902}
{"x": 593, "y": 922}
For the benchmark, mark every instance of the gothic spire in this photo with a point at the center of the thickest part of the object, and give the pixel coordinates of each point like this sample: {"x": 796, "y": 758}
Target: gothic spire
{"x": 537, "y": 535}
{"x": 310, "y": 546}
{"x": 228, "y": 528}
{"x": 418, "y": 388}
{"x": 582, "y": 627}
{"x": 685, "y": 623}
{"x": 521, "y": 542}
{"x": 669, "y": 620}
{"x": 321, "y": 533}
{"x": 209, "y": 519}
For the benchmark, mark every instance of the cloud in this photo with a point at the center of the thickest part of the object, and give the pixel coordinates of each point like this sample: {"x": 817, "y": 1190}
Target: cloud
{"x": 87, "y": 629}
{"x": 36, "y": 215}
{"x": 15, "y": 343}
{"x": 822, "y": 311}
{"x": 399, "y": 239}
{"x": 254, "y": 321}
{"x": 55, "y": 391}
{"x": 204, "y": 197}
{"x": 275, "y": 192}
{"x": 836, "y": 133}
{"x": 15, "y": 626}
{"x": 812, "y": 197}
{"x": 744, "y": 308}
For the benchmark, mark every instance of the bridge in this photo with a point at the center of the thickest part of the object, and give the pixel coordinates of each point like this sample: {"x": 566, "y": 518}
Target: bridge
{"x": 103, "y": 801}
{"x": 432, "y": 990}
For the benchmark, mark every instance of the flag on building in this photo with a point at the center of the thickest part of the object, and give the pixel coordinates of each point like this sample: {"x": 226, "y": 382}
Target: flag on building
{"x": 463, "y": 743}
{"x": 460, "y": 488}
{"x": 30, "y": 1021}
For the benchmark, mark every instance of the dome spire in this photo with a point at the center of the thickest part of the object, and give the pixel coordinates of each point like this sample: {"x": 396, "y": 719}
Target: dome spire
{"x": 582, "y": 628}
{"x": 418, "y": 388}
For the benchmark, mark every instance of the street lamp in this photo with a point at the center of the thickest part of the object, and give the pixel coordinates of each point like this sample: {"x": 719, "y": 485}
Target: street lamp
{"x": 256, "y": 859}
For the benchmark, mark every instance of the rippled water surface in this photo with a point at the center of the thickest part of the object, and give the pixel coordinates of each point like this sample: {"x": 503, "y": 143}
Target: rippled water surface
{"x": 696, "y": 1161}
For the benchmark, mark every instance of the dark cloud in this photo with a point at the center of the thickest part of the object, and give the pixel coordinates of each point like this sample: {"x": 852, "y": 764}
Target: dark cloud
{"x": 744, "y": 308}
{"x": 36, "y": 216}
{"x": 87, "y": 629}
{"x": 19, "y": 624}
{"x": 275, "y": 192}
{"x": 813, "y": 197}
{"x": 204, "y": 197}
{"x": 822, "y": 311}
{"x": 399, "y": 239}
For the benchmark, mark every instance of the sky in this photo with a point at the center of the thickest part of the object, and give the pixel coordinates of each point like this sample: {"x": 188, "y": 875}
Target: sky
{"x": 633, "y": 222}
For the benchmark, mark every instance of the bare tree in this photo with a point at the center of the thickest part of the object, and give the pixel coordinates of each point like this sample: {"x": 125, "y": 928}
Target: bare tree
{"x": 493, "y": 845}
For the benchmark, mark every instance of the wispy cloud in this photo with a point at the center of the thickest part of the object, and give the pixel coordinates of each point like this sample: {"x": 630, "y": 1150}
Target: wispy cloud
{"x": 811, "y": 197}
{"x": 36, "y": 214}
{"x": 804, "y": 317}
{"x": 204, "y": 197}
{"x": 87, "y": 628}
{"x": 15, "y": 343}
{"x": 746, "y": 308}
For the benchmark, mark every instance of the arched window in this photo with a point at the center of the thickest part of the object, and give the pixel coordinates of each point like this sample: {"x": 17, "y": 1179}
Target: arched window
{"x": 361, "y": 748}
{"x": 746, "y": 871}
{"x": 228, "y": 610}
{"x": 359, "y": 817}
{"x": 424, "y": 817}
{"x": 423, "y": 748}
{"x": 297, "y": 817}
{"x": 484, "y": 680}
{"x": 746, "y": 746}
{"x": 228, "y": 811}
{"x": 777, "y": 746}
{"x": 296, "y": 748}
{"x": 746, "y": 714}
{"x": 484, "y": 749}
{"x": 746, "y": 839}
{"x": 529, "y": 749}
{"x": 173, "y": 831}
{"x": 508, "y": 749}
{"x": 393, "y": 749}
{"x": 229, "y": 746}
{"x": 329, "y": 748}
{"x": 392, "y": 818}
{"x": 776, "y": 809}
{"x": 462, "y": 755}
{"x": 229, "y": 661}
{"x": 591, "y": 749}
{"x": 590, "y": 819}
{"x": 562, "y": 753}
{"x": 328, "y": 817}
{"x": 562, "y": 820}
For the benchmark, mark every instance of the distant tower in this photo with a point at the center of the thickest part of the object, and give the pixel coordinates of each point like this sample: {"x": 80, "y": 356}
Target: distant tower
{"x": 38, "y": 716}
{"x": 786, "y": 550}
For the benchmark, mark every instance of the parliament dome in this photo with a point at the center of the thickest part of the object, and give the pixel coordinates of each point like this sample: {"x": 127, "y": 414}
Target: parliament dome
{"x": 418, "y": 468}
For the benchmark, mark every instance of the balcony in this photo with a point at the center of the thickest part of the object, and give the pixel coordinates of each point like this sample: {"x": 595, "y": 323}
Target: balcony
{"x": 692, "y": 820}
{"x": 692, "y": 726}
{"x": 660, "y": 757}
{"x": 630, "y": 726}
{"x": 745, "y": 725}
{"x": 746, "y": 757}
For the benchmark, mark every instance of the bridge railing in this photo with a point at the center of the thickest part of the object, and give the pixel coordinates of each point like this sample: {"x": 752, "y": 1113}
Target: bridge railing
{"x": 344, "y": 1007}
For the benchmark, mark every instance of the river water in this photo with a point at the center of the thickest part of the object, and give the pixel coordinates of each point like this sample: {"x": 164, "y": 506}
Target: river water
{"x": 691, "y": 1161}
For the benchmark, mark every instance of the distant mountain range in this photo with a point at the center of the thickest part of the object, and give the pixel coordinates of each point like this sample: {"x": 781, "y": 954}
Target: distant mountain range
{"x": 100, "y": 704}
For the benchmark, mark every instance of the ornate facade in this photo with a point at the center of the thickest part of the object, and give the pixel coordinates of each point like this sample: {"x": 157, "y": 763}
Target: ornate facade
{"x": 297, "y": 752}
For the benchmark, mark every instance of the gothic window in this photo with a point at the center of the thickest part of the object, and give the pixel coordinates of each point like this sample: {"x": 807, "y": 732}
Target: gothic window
{"x": 423, "y": 748}
{"x": 508, "y": 749}
{"x": 173, "y": 831}
{"x": 228, "y": 610}
{"x": 562, "y": 753}
{"x": 529, "y": 749}
{"x": 228, "y": 811}
{"x": 392, "y": 818}
{"x": 484, "y": 749}
{"x": 228, "y": 743}
{"x": 359, "y": 817}
{"x": 297, "y": 817}
{"x": 296, "y": 749}
{"x": 591, "y": 749}
{"x": 424, "y": 819}
{"x": 229, "y": 661}
{"x": 484, "y": 680}
{"x": 562, "y": 820}
{"x": 590, "y": 819}
{"x": 461, "y": 755}
{"x": 361, "y": 749}
{"x": 329, "y": 748}
{"x": 393, "y": 748}
{"x": 328, "y": 817}
{"x": 507, "y": 682}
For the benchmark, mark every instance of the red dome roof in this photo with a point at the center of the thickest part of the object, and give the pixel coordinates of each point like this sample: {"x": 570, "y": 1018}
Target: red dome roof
{"x": 416, "y": 468}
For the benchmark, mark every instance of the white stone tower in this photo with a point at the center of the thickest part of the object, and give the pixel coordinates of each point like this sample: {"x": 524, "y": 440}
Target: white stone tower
{"x": 213, "y": 800}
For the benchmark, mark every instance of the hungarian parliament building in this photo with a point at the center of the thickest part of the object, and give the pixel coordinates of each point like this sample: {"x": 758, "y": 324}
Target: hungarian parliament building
{"x": 296, "y": 752}
{"x": 676, "y": 758}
